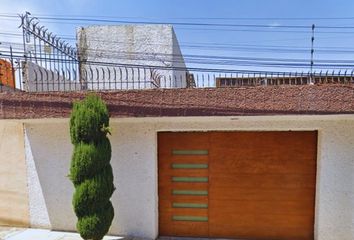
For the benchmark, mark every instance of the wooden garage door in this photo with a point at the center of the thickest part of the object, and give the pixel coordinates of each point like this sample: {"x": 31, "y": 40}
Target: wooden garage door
{"x": 249, "y": 185}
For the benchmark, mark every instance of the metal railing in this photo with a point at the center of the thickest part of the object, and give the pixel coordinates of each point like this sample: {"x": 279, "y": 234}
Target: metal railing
{"x": 32, "y": 77}
{"x": 48, "y": 63}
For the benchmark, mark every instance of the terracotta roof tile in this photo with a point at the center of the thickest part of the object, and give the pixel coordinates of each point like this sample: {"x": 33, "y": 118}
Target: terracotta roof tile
{"x": 269, "y": 100}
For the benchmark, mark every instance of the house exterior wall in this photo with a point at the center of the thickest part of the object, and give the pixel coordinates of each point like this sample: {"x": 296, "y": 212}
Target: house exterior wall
{"x": 13, "y": 182}
{"x": 135, "y": 49}
{"x": 134, "y": 161}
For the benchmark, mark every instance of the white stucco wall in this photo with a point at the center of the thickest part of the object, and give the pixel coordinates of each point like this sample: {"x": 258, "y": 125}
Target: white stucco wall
{"x": 40, "y": 79}
{"x": 134, "y": 161}
{"x": 140, "y": 45}
{"x": 134, "y": 202}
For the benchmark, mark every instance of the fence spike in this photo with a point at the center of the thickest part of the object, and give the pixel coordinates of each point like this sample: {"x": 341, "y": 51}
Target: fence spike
{"x": 109, "y": 74}
{"x": 139, "y": 75}
{"x": 53, "y": 39}
{"x": 44, "y": 33}
{"x": 22, "y": 17}
{"x": 91, "y": 73}
{"x": 103, "y": 74}
{"x": 35, "y": 75}
{"x": 32, "y": 19}
{"x": 52, "y": 72}
{"x": 115, "y": 73}
{"x": 34, "y": 26}
{"x": 41, "y": 73}
{"x": 120, "y": 74}
{"x": 58, "y": 74}
{"x": 49, "y": 35}
{"x": 40, "y": 30}
{"x": 63, "y": 73}
{"x": 75, "y": 74}
{"x": 47, "y": 75}
{"x": 132, "y": 69}
{"x": 126, "y": 74}
{"x": 58, "y": 42}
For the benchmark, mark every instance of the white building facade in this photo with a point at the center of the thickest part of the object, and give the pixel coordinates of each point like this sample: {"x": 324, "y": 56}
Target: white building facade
{"x": 131, "y": 57}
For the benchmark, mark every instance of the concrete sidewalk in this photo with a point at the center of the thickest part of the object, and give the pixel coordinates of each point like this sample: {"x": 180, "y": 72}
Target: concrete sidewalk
{"x": 7, "y": 233}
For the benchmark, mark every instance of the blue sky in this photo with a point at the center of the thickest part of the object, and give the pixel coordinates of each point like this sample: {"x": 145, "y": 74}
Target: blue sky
{"x": 233, "y": 41}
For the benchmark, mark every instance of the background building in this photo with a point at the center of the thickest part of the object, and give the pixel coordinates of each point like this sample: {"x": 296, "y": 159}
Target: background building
{"x": 135, "y": 56}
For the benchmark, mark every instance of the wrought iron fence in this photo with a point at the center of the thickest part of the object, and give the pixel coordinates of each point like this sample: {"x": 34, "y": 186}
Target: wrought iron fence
{"x": 120, "y": 77}
{"x": 48, "y": 63}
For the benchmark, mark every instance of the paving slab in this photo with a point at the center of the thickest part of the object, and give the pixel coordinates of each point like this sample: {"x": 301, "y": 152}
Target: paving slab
{"x": 6, "y": 232}
{"x": 43, "y": 234}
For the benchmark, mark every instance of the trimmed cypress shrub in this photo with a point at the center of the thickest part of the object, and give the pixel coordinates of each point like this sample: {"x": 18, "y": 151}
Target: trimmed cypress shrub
{"x": 90, "y": 169}
{"x": 89, "y": 120}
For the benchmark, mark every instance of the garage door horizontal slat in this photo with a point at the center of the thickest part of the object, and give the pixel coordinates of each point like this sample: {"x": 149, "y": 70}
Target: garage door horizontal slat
{"x": 260, "y": 194}
{"x": 184, "y": 198}
{"x": 269, "y": 207}
{"x": 168, "y": 173}
{"x": 167, "y": 164}
{"x": 190, "y": 179}
{"x": 190, "y": 152}
{"x": 169, "y": 185}
{"x": 266, "y": 181}
{"x": 186, "y": 211}
{"x": 264, "y": 168}
{"x": 183, "y": 228}
{"x": 189, "y": 165}
{"x": 189, "y": 205}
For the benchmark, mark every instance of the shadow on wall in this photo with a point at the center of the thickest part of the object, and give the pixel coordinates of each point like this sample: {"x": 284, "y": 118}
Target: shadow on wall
{"x": 51, "y": 154}
{"x": 133, "y": 201}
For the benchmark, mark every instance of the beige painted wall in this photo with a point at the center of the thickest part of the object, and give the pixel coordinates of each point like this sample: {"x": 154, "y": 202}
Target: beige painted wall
{"x": 13, "y": 182}
{"x": 134, "y": 162}
{"x": 134, "y": 169}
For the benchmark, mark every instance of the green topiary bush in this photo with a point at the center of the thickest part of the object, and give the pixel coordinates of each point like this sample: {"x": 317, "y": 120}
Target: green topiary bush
{"x": 90, "y": 169}
{"x": 89, "y": 120}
